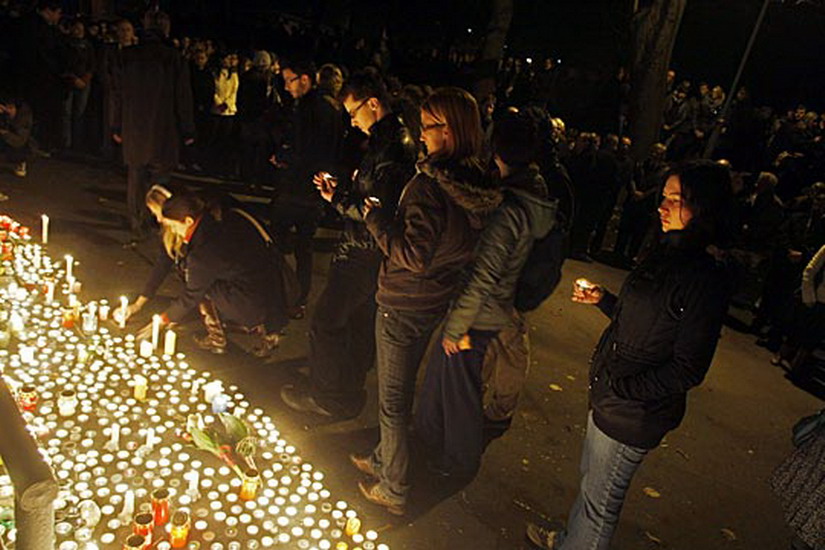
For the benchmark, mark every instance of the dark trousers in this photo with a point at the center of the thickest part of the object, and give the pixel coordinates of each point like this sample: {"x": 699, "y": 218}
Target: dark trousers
{"x": 15, "y": 155}
{"x": 342, "y": 333}
{"x": 139, "y": 179}
{"x": 450, "y": 413}
{"x": 401, "y": 338}
{"x": 285, "y": 216}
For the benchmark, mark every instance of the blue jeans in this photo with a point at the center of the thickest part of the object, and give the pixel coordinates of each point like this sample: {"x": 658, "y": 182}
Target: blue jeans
{"x": 607, "y": 468}
{"x": 401, "y": 339}
{"x": 74, "y": 107}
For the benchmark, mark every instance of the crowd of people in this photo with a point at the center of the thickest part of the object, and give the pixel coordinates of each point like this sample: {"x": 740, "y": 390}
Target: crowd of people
{"x": 443, "y": 199}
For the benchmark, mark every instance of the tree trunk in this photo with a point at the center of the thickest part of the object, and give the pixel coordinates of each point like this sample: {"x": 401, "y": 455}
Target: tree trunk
{"x": 655, "y": 27}
{"x": 493, "y": 48}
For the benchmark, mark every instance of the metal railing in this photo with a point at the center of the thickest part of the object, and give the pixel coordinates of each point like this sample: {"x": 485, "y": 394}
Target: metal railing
{"x": 35, "y": 488}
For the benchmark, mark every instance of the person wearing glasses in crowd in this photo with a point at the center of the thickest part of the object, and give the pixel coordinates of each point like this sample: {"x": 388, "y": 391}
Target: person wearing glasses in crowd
{"x": 342, "y": 333}
{"x": 313, "y": 144}
{"x": 427, "y": 242}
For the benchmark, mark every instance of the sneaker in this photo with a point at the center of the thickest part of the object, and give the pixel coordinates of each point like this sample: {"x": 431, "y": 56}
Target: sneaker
{"x": 364, "y": 464}
{"x": 302, "y": 401}
{"x": 541, "y": 537}
{"x": 267, "y": 345}
{"x": 20, "y": 170}
{"x": 372, "y": 493}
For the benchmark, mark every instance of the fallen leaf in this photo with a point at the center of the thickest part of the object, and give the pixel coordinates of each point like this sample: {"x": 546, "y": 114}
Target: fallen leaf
{"x": 653, "y": 538}
{"x": 555, "y": 387}
{"x": 651, "y": 492}
{"x": 728, "y": 534}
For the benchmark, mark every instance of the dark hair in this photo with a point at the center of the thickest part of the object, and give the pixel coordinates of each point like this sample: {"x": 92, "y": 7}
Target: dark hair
{"x": 300, "y": 67}
{"x": 515, "y": 140}
{"x": 180, "y": 205}
{"x": 51, "y": 5}
{"x": 706, "y": 190}
{"x": 365, "y": 84}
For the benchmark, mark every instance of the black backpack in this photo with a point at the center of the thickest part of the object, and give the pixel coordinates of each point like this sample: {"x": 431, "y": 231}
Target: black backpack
{"x": 542, "y": 272}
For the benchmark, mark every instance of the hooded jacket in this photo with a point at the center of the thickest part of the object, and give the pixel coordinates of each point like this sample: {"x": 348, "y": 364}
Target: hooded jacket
{"x": 526, "y": 214}
{"x": 664, "y": 328}
{"x": 431, "y": 238}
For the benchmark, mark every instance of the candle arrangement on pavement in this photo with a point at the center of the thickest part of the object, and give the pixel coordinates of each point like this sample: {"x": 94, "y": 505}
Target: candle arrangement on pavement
{"x": 149, "y": 451}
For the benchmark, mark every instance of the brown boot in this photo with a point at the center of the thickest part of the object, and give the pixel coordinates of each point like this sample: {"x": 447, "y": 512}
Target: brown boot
{"x": 215, "y": 338}
{"x": 268, "y": 342}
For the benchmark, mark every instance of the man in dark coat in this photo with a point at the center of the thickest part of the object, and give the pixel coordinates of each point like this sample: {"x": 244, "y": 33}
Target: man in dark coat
{"x": 342, "y": 336}
{"x": 153, "y": 111}
{"x": 39, "y": 67}
{"x": 16, "y": 123}
{"x": 313, "y": 145}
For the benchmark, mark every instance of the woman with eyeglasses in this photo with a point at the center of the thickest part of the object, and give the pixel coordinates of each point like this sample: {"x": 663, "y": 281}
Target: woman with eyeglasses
{"x": 664, "y": 327}
{"x": 427, "y": 241}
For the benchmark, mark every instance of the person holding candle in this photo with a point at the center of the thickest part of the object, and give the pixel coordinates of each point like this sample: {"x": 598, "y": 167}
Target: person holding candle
{"x": 231, "y": 274}
{"x": 426, "y": 242}
{"x": 665, "y": 324}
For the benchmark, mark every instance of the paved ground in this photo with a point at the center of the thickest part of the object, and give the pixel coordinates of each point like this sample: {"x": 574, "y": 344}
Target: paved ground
{"x": 710, "y": 475}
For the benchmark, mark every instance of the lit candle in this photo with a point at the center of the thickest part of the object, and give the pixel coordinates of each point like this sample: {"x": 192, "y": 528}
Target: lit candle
{"x": 44, "y": 221}
{"x": 50, "y": 291}
{"x": 140, "y": 387}
{"x": 69, "y": 267}
{"x": 124, "y": 305}
{"x": 169, "y": 342}
{"x": 156, "y": 321}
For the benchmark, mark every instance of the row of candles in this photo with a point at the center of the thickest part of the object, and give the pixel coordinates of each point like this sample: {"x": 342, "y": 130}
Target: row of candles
{"x": 115, "y": 447}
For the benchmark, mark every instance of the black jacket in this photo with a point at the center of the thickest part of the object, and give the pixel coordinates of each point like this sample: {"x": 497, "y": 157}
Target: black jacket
{"x": 228, "y": 262}
{"x": 664, "y": 328}
{"x": 386, "y": 167}
{"x": 313, "y": 145}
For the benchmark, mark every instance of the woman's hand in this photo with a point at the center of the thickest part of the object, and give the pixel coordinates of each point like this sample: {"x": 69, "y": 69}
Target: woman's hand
{"x": 326, "y": 185}
{"x": 450, "y": 346}
{"x": 585, "y": 292}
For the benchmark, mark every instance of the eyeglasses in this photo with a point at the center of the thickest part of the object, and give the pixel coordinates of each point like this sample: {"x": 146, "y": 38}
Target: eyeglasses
{"x": 427, "y": 127}
{"x": 355, "y": 111}
{"x": 291, "y": 80}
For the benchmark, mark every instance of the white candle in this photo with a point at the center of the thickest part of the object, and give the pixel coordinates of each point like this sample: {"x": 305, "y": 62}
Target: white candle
{"x": 50, "y": 291}
{"x": 114, "y": 438}
{"x": 69, "y": 267}
{"x": 124, "y": 305}
{"x": 156, "y": 321}
{"x": 140, "y": 385}
{"x": 169, "y": 342}
{"x": 44, "y": 221}
{"x": 128, "y": 506}
{"x": 194, "y": 479}
{"x": 150, "y": 437}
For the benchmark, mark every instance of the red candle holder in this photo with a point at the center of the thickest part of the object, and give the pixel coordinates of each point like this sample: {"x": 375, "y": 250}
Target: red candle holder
{"x": 160, "y": 506}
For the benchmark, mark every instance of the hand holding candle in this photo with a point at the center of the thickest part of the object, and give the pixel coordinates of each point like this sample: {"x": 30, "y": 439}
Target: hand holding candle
{"x": 585, "y": 292}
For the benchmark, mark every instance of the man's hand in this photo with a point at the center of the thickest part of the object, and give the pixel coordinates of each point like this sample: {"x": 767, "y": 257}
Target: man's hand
{"x": 189, "y": 141}
{"x": 144, "y": 333}
{"x": 117, "y": 139}
{"x": 794, "y": 256}
{"x": 450, "y": 346}
{"x": 325, "y": 184}
{"x": 369, "y": 206}
{"x": 273, "y": 160}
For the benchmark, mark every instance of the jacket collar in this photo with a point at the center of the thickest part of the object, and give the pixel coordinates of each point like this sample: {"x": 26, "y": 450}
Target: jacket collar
{"x": 464, "y": 182}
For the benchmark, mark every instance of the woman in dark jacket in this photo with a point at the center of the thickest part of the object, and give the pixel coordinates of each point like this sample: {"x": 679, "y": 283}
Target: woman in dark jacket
{"x": 230, "y": 270}
{"x": 665, "y": 324}
{"x": 426, "y": 244}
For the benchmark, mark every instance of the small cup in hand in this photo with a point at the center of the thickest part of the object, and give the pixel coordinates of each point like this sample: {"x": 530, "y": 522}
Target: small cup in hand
{"x": 585, "y": 292}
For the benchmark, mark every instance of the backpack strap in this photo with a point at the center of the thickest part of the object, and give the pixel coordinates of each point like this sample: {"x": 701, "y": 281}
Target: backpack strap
{"x": 255, "y": 223}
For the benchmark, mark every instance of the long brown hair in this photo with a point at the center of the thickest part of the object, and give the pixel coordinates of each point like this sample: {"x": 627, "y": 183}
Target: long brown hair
{"x": 458, "y": 110}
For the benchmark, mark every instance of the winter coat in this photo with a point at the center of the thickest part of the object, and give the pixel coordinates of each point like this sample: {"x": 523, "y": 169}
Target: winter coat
{"x": 432, "y": 236}
{"x": 664, "y": 328}
{"x": 525, "y": 214}
{"x": 203, "y": 91}
{"x": 20, "y": 127}
{"x": 226, "y": 93}
{"x": 387, "y": 165}
{"x": 152, "y": 103}
{"x": 813, "y": 280}
{"x": 313, "y": 145}
{"x": 229, "y": 263}
{"x": 256, "y": 94}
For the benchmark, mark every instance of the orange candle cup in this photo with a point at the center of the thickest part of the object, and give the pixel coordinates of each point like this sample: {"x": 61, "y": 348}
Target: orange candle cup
{"x": 143, "y": 526}
{"x": 251, "y": 481}
{"x": 180, "y": 529}
{"x": 160, "y": 506}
